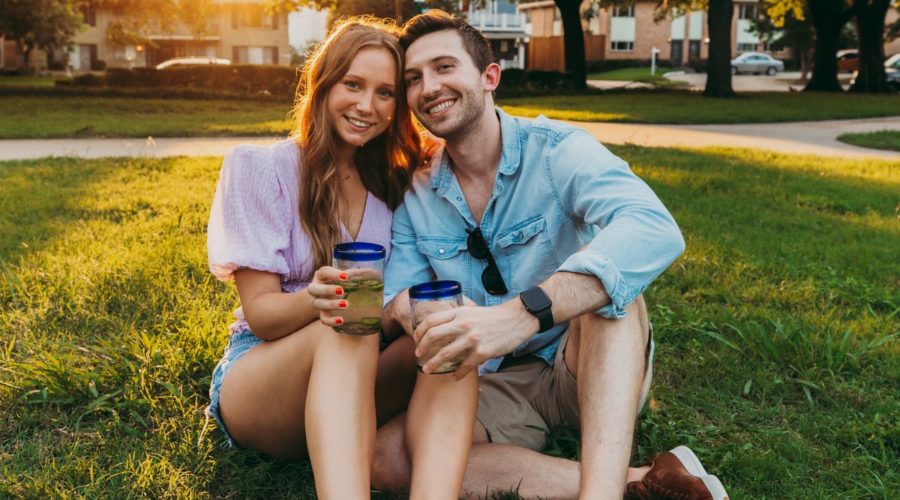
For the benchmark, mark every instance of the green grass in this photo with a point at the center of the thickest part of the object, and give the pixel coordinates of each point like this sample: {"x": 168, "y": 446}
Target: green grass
{"x": 49, "y": 116}
{"x": 882, "y": 139}
{"x": 638, "y": 75}
{"x": 778, "y": 359}
{"x": 680, "y": 107}
{"x": 26, "y": 81}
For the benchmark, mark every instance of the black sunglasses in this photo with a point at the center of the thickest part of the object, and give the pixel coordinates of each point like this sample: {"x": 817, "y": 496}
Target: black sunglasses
{"x": 491, "y": 277}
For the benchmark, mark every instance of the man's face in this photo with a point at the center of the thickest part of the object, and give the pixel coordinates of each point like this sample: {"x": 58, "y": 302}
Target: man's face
{"x": 444, "y": 88}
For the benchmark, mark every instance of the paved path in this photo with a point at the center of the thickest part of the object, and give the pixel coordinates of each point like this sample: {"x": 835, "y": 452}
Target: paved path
{"x": 816, "y": 138}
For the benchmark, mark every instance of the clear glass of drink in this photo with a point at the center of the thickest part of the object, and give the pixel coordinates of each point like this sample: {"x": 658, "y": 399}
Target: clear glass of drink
{"x": 430, "y": 297}
{"x": 363, "y": 288}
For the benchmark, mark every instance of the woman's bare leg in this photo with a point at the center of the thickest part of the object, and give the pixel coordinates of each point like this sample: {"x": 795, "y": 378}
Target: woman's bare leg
{"x": 439, "y": 434}
{"x": 317, "y": 383}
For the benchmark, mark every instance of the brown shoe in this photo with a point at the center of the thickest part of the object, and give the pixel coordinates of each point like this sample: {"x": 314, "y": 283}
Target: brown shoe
{"x": 676, "y": 475}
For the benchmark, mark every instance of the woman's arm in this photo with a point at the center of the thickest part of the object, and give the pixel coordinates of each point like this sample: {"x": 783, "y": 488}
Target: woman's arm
{"x": 272, "y": 314}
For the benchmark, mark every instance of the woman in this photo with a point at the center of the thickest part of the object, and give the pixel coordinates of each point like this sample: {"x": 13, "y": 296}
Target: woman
{"x": 288, "y": 384}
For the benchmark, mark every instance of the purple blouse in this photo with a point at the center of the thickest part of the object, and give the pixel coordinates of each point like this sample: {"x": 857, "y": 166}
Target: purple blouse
{"x": 255, "y": 221}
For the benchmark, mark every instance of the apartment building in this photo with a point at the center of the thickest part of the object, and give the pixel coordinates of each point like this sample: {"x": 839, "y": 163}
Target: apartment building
{"x": 632, "y": 32}
{"x": 502, "y": 24}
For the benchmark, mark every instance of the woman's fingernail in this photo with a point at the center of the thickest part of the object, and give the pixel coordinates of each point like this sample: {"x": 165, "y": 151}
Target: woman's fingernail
{"x": 342, "y": 303}
{"x": 343, "y": 276}
{"x": 339, "y": 291}
{"x": 338, "y": 321}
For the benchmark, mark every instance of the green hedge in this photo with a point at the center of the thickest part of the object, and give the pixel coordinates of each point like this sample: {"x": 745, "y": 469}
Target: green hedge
{"x": 516, "y": 82}
{"x": 241, "y": 79}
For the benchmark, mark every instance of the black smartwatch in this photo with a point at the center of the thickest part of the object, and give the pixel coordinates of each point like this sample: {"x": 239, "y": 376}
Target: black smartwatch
{"x": 537, "y": 303}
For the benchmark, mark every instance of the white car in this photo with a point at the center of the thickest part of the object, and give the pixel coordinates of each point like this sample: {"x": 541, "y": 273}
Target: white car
{"x": 756, "y": 62}
{"x": 192, "y": 61}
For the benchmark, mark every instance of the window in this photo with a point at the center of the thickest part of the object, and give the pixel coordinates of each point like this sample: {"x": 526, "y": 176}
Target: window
{"x": 89, "y": 14}
{"x": 622, "y": 46}
{"x": 255, "y": 55}
{"x": 252, "y": 16}
{"x": 623, "y": 11}
{"x": 747, "y": 11}
{"x": 746, "y": 47}
{"x": 557, "y": 15}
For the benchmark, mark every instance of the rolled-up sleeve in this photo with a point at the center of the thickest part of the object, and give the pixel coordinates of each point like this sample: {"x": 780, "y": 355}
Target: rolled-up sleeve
{"x": 406, "y": 265}
{"x": 636, "y": 238}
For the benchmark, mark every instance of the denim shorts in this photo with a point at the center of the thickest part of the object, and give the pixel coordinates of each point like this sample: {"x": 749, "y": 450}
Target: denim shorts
{"x": 239, "y": 344}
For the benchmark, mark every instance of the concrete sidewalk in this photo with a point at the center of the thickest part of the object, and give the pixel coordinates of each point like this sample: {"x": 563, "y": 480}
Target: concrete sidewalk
{"x": 816, "y": 138}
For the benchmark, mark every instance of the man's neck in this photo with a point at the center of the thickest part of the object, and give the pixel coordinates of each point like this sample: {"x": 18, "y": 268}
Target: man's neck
{"x": 476, "y": 155}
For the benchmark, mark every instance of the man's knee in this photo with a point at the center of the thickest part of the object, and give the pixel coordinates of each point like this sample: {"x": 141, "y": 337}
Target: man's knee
{"x": 391, "y": 471}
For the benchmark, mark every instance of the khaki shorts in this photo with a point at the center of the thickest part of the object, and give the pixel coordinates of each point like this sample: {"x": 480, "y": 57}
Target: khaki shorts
{"x": 519, "y": 403}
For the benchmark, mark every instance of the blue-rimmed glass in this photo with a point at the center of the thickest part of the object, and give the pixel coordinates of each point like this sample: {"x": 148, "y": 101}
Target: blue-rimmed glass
{"x": 430, "y": 297}
{"x": 363, "y": 288}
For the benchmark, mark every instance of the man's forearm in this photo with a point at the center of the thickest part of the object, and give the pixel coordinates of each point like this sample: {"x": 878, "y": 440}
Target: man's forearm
{"x": 574, "y": 294}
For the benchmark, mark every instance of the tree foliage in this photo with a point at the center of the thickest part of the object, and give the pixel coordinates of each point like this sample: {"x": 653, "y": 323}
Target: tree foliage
{"x": 42, "y": 24}
{"x": 136, "y": 20}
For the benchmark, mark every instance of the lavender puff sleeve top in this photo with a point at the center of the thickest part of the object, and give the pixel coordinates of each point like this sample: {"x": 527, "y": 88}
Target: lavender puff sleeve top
{"x": 255, "y": 222}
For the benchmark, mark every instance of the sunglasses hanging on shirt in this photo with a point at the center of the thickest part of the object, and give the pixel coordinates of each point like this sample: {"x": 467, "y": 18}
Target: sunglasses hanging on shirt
{"x": 491, "y": 277}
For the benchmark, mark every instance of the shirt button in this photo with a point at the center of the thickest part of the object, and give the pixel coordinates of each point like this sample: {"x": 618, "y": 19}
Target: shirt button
{"x": 441, "y": 251}
{"x": 519, "y": 236}
{"x": 459, "y": 198}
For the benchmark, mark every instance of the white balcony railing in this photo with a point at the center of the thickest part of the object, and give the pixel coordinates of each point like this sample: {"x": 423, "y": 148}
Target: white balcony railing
{"x": 483, "y": 20}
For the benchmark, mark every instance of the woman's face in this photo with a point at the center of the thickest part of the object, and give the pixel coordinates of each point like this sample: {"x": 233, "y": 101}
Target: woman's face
{"x": 362, "y": 103}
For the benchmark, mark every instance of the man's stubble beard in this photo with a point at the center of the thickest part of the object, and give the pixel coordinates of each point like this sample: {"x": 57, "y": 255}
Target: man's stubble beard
{"x": 472, "y": 109}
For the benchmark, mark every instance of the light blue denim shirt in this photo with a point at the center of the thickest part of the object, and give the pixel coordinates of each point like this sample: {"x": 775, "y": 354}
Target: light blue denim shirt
{"x": 557, "y": 189}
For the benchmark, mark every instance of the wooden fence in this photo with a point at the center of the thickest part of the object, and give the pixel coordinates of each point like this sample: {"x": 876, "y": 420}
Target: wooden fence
{"x": 547, "y": 52}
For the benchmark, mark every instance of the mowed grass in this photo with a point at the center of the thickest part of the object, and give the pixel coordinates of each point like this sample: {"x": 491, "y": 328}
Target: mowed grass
{"x": 882, "y": 139}
{"x": 683, "y": 107}
{"x": 26, "y": 81}
{"x": 638, "y": 75}
{"x": 59, "y": 116}
{"x": 778, "y": 360}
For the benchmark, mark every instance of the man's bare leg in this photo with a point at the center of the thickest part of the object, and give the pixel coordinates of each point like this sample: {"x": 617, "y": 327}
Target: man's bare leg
{"x": 609, "y": 357}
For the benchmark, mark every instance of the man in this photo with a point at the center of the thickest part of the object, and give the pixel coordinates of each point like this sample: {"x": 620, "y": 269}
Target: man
{"x": 554, "y": 238}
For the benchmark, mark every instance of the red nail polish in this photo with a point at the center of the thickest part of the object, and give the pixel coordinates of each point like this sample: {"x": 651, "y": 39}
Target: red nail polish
{"x": 343, "y": 276}
{"x": 339, "y": 291}
{"x": 342, "y": 303}
{"x": 339, "y": 321}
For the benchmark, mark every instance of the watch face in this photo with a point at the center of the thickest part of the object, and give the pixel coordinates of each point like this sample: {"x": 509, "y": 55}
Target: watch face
{"x": 535, "y": 299}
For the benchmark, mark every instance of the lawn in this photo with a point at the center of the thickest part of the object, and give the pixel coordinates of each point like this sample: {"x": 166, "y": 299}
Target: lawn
{"x": 882, "y": 139}
{"x": 638, "y": 75}
{"x": 682, "y": 107}
{"x": 52, "y": 116}
{"x": 778, "y": 360}
{"x": 26, "y": 81}
{"x": 56, "y": 116}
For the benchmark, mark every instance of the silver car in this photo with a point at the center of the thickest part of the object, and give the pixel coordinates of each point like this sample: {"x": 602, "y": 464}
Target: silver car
{"x": 756, "y": 62}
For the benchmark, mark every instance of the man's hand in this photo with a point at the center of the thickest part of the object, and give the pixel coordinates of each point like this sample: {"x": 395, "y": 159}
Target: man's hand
{"x": 473, "y": 334}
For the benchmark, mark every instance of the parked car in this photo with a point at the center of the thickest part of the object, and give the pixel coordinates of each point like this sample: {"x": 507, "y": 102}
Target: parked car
{"x": 191, "y": 61}
{"x": 756, "y": 62}
{"x": 847, "y": 61}
{"x": 891, "y": 72}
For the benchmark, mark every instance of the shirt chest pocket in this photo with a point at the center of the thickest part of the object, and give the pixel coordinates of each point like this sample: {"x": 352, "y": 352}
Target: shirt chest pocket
{"x": 446, "y": 256}
{"x": 525, "y": 255}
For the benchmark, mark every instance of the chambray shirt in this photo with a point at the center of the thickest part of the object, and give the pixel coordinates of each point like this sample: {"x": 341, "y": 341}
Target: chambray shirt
{"x": 557, "y": 189}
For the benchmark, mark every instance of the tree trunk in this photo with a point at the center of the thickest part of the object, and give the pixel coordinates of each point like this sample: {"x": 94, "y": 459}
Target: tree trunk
{"x": 398, "y": 11}
{"x": 573, "y": 41}
{"x": 870, "y": 25}
{"x": 828, "y": 17}
{"x": 804, "y": 66}
{"x": 718, "y": 67}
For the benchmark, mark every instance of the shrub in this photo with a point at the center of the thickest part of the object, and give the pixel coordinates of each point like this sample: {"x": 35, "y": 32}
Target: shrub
{"x": 238, "y": 78}
{"x": 98, "y": 65}
{"x": 605, "y": 65}
{"x": 89, "y": 80}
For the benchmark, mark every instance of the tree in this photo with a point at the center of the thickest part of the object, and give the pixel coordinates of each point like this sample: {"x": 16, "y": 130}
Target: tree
{"x": 399, "y": 10}
{"x": 829, "y": 18}
{"x": 796, "y": 33}
{"x": 136, "y": 20}
{"x": 870, "y": 23}
{"x": 718, "y": 66}
{"x": 42, "y": 24}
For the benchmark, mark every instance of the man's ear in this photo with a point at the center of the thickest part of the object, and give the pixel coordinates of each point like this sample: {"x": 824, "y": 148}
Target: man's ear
{"x": 491, "y": 77}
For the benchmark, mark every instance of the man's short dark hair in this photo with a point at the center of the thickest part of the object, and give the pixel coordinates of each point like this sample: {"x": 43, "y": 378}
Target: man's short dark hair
{"x": 478, "y": 47}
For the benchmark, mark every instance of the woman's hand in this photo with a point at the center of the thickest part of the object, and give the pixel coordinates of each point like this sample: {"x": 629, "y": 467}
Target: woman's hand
{"x": 327, "y": 295}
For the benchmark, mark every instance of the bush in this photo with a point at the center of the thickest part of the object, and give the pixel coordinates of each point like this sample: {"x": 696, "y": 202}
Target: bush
{"x": 238, "y": 78}
{"x": 605, "y": 65}
{"x": 88, "y": 80}
{"x": 98, "y": 65}
{"x": 698, "y": 65}
{"x": 520, "y": 83}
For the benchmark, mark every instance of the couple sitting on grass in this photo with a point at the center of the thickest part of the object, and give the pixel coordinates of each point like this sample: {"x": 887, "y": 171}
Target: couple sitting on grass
{"x": 552, "y": 237}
